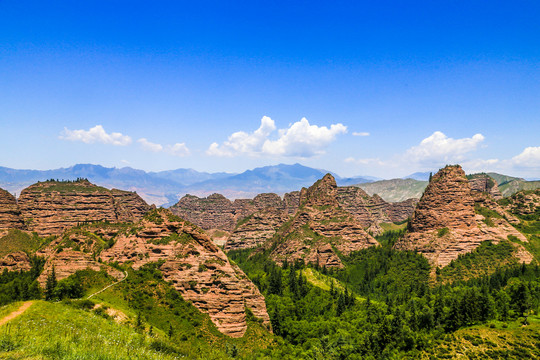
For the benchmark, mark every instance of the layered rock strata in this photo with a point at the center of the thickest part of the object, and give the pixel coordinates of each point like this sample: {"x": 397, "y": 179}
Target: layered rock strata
{"x": 485, "y": 183}
{"x": 218, "y": 212}
{"x": 445, "y": 224}
{"x": 369, "y": 211}
{"x": 10, "y": 214}
{"x": 50, "y": 207}
{"x": 320, "y": 229}
{"x": 196, "y": 267}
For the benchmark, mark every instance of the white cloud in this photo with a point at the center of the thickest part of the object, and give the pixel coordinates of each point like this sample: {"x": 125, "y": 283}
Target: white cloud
{"x": 150, "y": 146}
{"x": 303, "y": 140}
{"x": 363, "y": 133}
{"x": 530, "y": 158}
{"x": 299, "y": 140}
{"x": 178, "y": 149}
{"x": 439, "y": 149}
{"x": 95, "y": 134}
{"x": 243, "y": 143}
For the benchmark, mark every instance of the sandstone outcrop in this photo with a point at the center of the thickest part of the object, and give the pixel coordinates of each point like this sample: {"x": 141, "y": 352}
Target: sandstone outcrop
{"x": 320, "y": 229}
{"x": 10, "y": 215}
{"x": 17, "y": 261}
{"x": 50, "y": 207}
{"x": 446, "y": 225}
{"x": 218, "y": 212}
{"x": 485, "y": 183}
{"x": 370, "y": 210}
{"x": 256, "y": 229}
{"x": 196, "y": 267}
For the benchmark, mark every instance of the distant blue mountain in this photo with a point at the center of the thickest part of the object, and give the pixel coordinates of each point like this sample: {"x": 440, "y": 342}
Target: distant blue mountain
{"x": 165, "y": 187}
{"x": 279, "y": 179}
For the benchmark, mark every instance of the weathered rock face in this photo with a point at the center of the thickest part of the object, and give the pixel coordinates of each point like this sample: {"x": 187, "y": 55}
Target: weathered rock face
{"x": 447, "y": 202}
{"x": 10, "y": 215}
{"x": 369, "y": 210}
{"x": 319, "y": 228}
{"x": 217, "y": 212}
{"x": 17, "y": 261}
{"x": 445, "y": 224}
{"x": 196, "y": 267}
{"x": 256, "y": 230}
{"x": 484, "y": 183}
{"x": 134, "y": 206}
{"x": 212, "y": 212}
{"x": 50, "y": 207}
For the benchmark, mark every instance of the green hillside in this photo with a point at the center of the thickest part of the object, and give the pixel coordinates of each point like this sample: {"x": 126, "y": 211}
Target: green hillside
{"x": 17, "y": 240}
{"x": 396, "y": 189}
{"x": 514, "y": 186}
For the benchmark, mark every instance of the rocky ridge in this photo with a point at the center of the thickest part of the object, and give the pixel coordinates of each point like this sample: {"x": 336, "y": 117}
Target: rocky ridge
{"x": 448, "y": 220}
{"x": 196, "y": 267}
{"x": 485, "y": 183}
{"x": 50, "y": 207}
{"x": 10, "y": 214}
{"x": 369, "y": 212}
{"x": 319, "y": 229}
{"x": 218, "y": 212}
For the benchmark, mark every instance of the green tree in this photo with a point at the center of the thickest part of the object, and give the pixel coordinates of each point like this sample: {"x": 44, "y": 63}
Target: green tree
{"x": 50, "y": 285}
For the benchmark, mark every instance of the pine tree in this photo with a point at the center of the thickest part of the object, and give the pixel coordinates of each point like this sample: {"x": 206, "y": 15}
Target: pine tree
{"x": 275, "y": 319}
{"x": 50, "y": 285}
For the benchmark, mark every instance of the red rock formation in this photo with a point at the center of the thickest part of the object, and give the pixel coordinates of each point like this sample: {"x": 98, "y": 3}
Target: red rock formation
{"x": 196, "y": 267}
{"x": 319, "y": 228}
{"x": 485, "y": 183}
{"x": 51, "y": 207}
{"x": 445, "y": 225}
{"x": 17, "y": 261}
{"x": 10, "y": 215}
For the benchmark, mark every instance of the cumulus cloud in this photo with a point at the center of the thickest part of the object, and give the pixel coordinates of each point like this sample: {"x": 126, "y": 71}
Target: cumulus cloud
{"x": 243, "y": 143}
{"x": 178, "y": 149}
{"x": 363, "y": 133}
{"x": 441, "y": 149}
{"x": 150, "y": 146}
{"x": 300, "y": 139}
{"x": 530, "y": 158}
{"x": 94, "y": 135}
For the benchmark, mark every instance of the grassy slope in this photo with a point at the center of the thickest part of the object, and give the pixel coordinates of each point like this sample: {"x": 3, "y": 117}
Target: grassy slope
{"x": 17, "y": 240}
{"x": 396, "y": 189}
{"x": 514, "y": 186}
{"x": 161, "y": 307}
{"x": 58, "y": 331}
{"x": 324, "y": 282}
{"x": 484, "y": 260}
{"x": 498, "y": 340}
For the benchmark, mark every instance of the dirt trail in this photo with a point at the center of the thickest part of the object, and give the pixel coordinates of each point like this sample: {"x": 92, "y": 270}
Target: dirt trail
{"x": 16, "y": 313}
{"x": 108, "y": 286}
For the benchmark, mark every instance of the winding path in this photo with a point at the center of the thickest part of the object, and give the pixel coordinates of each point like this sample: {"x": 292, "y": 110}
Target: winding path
{"x": 108, "y": 286}
{"x": 16, "y": 313}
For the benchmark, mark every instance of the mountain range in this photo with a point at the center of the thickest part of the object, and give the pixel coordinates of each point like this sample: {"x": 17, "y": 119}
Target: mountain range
{"x": 166, "y": 187}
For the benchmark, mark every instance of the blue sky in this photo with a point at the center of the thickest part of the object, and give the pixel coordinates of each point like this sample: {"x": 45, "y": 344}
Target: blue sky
{"x": 381, "y": 88}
